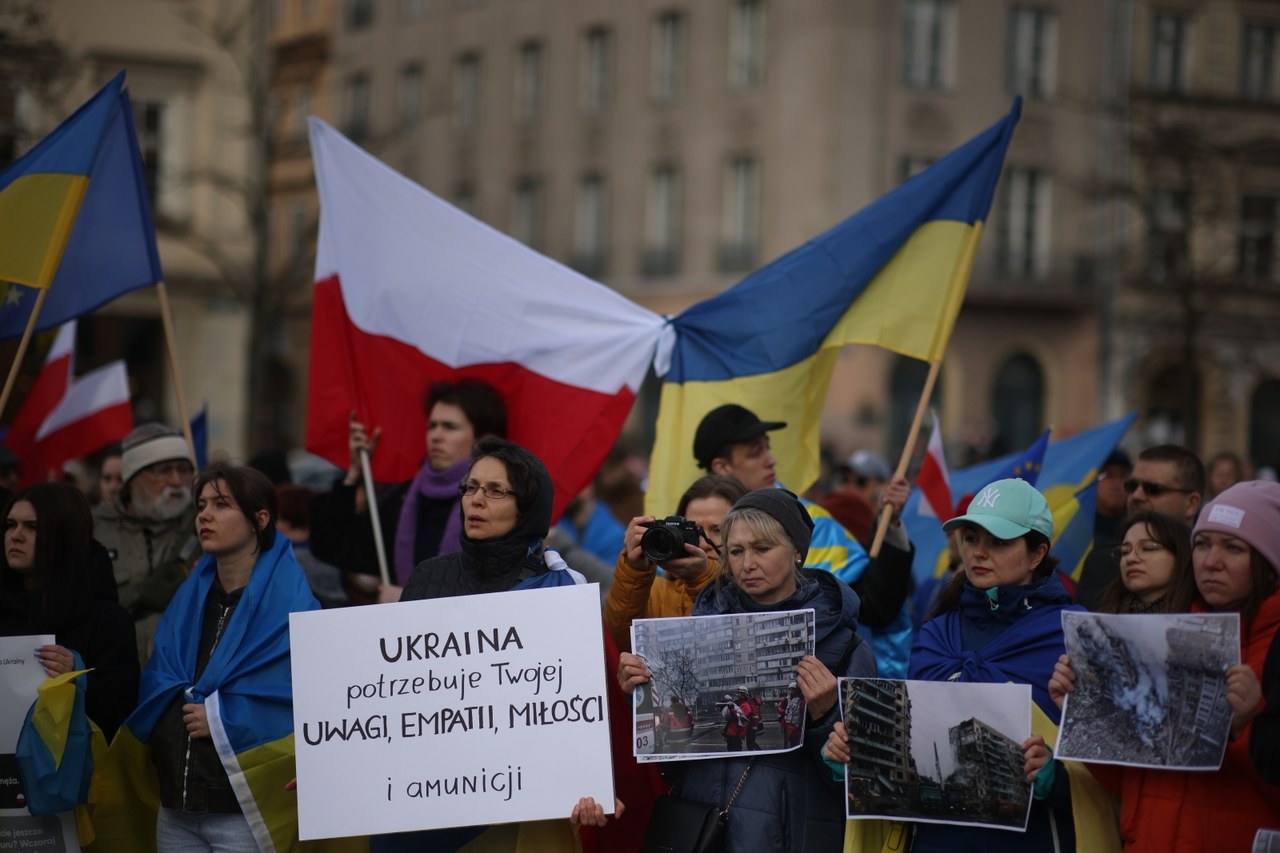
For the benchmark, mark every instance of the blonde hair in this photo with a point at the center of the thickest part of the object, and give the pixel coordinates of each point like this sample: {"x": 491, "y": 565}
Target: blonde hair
{"x": 763, "y": 527}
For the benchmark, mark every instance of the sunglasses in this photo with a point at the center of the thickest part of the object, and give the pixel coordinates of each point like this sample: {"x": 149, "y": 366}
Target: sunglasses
{"x": 1152, "y": 490}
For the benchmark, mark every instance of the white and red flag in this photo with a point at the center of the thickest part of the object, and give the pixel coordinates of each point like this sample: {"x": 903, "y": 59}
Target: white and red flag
{"x": 411, "y": 290}
{"x": 933, "y": 481}
{"x": 63, "y": 417}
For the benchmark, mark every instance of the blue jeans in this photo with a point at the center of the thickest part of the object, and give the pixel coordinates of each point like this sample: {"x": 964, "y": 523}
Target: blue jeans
{"x": 180, "y": 832}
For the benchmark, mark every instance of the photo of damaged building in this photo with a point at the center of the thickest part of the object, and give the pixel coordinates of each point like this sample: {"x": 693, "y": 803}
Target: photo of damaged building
{"x": 983, "y": 781}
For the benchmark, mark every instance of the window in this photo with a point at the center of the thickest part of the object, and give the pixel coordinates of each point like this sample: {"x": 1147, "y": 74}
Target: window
{"x": 299, "y": 228}
{"x": 148, "y": 121}
{"x": 929, "y": 53}
{"x": 467, "y": 91}
{"x": 740, "y": 224}
{"x": 746, "y": 44}
{"x": 1168, "y": 220}
{"x": 8, "y": 125}
{"x": 1257, "y": 63}
{"x": 590, "y": 226}
{"x": 301, "y": 109}
{"x": 1022, "y": 233}
{"x": 357, "y": 106}
{"x": 1017, "y": 402}
{"x": 595, "y": 70}
{"x": 526, "y": 213}
{"x": 1258, "y": 237}
{"x": 465, "y": 199}
{"x": 1032, "y": 59}
{"x": 528, "y": 83}
{"x": 668, "y": 58}
{"x": 662, "y": 222}
{"x": 359, "y": 14}
{"x": 1264, "y": 424}
{"x": 1169, "y": 35}
{"x": 410, "y": 95}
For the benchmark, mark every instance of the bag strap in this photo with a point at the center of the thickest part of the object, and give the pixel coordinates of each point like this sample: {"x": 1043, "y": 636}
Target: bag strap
{"x": 724, "y": 814}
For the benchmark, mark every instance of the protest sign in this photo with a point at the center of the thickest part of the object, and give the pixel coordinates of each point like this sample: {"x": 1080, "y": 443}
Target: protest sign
{"x": 20, "y": 675}
{"x": 1151, "y": 689}
{"x": 720, "y": 684}
{"x": 937, "y": 751}
{"x": 462, "y": 711}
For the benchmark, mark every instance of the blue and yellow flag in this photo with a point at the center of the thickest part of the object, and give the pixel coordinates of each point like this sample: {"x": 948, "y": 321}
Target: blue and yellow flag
{"x": 1067, "y": 477}
{"x": 75, "y": 218}
{"x": 892, "y": 275}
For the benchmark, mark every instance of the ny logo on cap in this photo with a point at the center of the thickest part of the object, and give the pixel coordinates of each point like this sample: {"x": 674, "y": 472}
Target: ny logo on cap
{"x": 987, "y": 497}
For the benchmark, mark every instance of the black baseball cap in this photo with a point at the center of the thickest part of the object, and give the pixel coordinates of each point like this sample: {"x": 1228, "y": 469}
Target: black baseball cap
{"x": 725, "y": 425}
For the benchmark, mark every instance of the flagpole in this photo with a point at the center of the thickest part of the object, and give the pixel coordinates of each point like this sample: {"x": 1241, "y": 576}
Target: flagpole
{"x": 379, "y": 546}
{"x": 22, "y": 347}
{"x": 166, "y": 319}
{"x": 907, "y": 450}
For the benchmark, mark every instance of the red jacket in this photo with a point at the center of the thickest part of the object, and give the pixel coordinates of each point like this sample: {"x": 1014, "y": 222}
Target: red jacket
{"x": 1171, "y": 811}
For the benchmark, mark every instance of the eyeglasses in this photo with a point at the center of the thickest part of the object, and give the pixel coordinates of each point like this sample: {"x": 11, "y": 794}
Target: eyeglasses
{"x": 1121, "y": 551}
{"x": 1152, "y": 490}
{"x": 467, "y": 488}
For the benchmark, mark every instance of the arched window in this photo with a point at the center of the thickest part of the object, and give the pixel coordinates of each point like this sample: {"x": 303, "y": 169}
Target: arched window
{"x": 1017, "y": 402}
{"x": 1264, "y": 424}
{"x": 906, "y": 381}
{"x": 1170, "y": 405}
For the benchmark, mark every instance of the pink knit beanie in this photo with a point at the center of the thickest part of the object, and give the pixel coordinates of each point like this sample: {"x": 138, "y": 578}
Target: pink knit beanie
{"x": 1248, "y": 511}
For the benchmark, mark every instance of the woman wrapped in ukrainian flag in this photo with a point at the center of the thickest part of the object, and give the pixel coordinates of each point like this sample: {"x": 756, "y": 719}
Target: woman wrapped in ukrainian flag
{"x": 204, "y": 761}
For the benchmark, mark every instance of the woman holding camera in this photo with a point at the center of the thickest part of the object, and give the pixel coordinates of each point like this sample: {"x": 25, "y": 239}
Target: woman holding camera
{"x": 787, "y": 800}
{"x": 638, "y": 591}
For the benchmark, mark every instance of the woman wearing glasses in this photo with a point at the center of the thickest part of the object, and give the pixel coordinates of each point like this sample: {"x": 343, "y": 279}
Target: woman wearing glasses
{"x": 504, "y": 516}
{"x": 1235, "y": 551}
{"x": 1155, "y": 567}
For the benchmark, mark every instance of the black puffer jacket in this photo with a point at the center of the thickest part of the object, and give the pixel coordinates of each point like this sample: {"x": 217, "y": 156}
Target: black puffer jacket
{"x": 789, "y": 801}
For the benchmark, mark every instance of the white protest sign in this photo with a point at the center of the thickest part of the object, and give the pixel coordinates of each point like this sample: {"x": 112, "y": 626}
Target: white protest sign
{"x": 20, "y": 675}
{"x": 462, "y": 711}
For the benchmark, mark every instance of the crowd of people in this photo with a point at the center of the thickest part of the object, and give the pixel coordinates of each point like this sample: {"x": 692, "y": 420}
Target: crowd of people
{"x": 174, "y": 593}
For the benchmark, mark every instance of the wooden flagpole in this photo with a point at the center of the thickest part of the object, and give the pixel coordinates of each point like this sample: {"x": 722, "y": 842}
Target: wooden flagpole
{"x": 22, "y": 348}
{"x": 375, "y": 519}
{"x": 166, "y": 319}
{"x": 908, "y": 450}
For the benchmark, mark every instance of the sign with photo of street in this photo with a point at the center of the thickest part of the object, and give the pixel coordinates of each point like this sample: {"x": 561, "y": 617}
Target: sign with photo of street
{"x": 720, "y": 684}
{"x": 937, "y": 752}
{"x": 1151, "y": 689}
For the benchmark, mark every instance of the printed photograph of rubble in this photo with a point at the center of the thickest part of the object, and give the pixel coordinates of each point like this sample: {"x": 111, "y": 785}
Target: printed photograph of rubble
{"x": 720, "y": 684}
{"x": 1151, "y": 689}
{"x": 938, "y": 752}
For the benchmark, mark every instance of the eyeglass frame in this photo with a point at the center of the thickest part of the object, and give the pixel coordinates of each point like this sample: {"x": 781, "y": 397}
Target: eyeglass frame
{"x": 1150, "y": 489}
{"x": 1118, "y": 552}
{"x": 467, "y": 488}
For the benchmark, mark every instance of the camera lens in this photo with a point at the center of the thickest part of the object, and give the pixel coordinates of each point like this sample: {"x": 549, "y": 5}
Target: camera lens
{"x": 660, "y": 543}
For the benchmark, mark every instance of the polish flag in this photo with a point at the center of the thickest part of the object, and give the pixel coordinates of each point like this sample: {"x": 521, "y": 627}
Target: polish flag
{"x": 48, "y": 389}
{"x": 410, "y": 290}
{"x": 95, "y": 411}
{"x": 933, "y": 481}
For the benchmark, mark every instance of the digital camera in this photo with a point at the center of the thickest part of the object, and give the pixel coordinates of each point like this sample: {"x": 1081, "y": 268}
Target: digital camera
{"x": 665, "y": 539}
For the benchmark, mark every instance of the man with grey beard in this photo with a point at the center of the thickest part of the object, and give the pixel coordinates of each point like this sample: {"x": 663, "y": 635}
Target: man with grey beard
{"x": 149, "y": 527}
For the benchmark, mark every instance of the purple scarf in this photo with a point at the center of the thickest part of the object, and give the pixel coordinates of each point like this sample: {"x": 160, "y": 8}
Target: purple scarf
{"x": 432, "y": 485}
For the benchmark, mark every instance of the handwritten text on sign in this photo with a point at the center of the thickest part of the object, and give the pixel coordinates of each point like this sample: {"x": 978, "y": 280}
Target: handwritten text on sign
{"x": 454, "y": 712}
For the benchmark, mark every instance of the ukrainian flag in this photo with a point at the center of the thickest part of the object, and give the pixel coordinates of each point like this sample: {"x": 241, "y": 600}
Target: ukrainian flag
{"x": 246, "y": 689}
{"x": 75, "y": 219}
{"x": 1067, "y": 476}
{"x": 893, "y": 275}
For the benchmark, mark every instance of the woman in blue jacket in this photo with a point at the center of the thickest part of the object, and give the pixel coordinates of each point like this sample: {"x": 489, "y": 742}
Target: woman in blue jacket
{"x": 784, "y": 801}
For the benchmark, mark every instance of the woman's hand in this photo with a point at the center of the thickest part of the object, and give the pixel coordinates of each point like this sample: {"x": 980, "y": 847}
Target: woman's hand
{"x": 631, "y": 543}
{"x": 632, "y": 671}
{"x": 590, "y": 813}
{"x": 817, "y": 685}
{"x": 837, "y": 746}
{"x": 56, "y": 660}
{"x": 1035, "y": 754}
{"x": 1063, "y": 681}
{"x": 1244, "y": 694}
{"x": 358, "y": 439}
{"x": 389, "y": 593}
{"x": 688, "y": 567}
{"x": 194, "y": 718}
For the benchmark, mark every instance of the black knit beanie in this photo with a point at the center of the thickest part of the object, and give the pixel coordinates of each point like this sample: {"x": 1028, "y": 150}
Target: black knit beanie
{"x": 785, "y": 508}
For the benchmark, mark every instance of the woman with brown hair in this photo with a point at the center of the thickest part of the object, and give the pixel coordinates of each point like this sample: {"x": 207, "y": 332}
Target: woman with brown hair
{"x": 1155, "y": 567}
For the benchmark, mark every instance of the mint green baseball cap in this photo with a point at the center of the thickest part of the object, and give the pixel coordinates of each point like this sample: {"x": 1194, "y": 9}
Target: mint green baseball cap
{"x": 1007, "y": 509}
